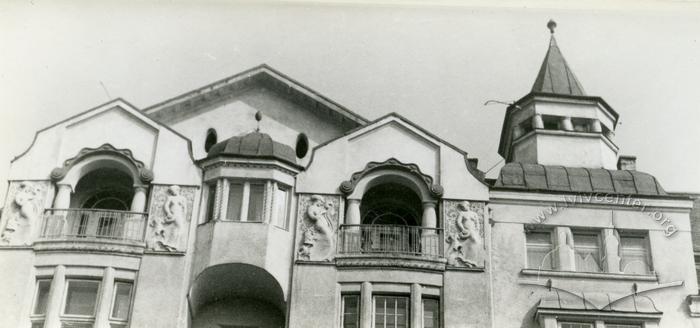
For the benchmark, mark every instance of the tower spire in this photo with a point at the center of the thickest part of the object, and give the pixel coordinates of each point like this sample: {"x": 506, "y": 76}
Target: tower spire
{"x": 555, "y": 76}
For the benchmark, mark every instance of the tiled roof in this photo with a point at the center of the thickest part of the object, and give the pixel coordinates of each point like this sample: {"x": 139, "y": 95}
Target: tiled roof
{"x": 254, "y": 145}
{"x": 555, "y": 76}
{"x": 537, "y": 177}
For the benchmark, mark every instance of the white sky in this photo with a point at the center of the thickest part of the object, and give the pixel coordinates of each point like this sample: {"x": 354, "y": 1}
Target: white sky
{"x": 434, "y": 63}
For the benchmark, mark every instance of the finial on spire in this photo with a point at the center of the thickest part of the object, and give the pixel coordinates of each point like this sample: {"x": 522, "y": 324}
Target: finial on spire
{"x": 258, "y": 117}
{"x": 551, "y": 25}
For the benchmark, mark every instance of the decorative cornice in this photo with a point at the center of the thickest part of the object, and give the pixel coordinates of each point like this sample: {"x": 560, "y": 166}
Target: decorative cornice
{"x": 145, "y": 174}
{"x": 224, "y": 163}
{"x": 348, "y": 186}
{"x": 391, "y": 262}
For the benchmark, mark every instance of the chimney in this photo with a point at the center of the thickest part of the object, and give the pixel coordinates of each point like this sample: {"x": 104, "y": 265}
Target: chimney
{"x": 626, "y": 162}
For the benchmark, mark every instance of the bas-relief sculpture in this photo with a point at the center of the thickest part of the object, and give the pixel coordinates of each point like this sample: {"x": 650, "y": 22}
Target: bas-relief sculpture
{"x": 464, "y": 233}
{"x": 171, "y": 209}
{"x": 22, "y": 216}
{"x": 318, "y": 224}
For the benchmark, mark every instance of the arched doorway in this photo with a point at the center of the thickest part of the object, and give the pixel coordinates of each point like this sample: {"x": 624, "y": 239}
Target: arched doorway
{"x": 236, "y": 295}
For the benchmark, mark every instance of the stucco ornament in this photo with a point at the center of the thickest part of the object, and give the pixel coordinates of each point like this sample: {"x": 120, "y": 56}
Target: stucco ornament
{"x": 169, "y": 214}
{"x": 318, "y": 228}
{"x": 465, "y": 234}
{"x": 23, "y": 215}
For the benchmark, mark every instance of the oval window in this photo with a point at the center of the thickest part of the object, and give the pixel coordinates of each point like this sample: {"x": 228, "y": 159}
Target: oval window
{"x": 302, "y": 145}
{"x": 210, "y": 140}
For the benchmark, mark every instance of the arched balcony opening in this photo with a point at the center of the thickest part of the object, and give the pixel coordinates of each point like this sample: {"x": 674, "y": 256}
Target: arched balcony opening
{"x": 100, "y": 195}
{"x": 390, "y": 212}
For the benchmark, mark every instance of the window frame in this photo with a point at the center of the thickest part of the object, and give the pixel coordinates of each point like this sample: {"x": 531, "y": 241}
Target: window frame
{"x": 342, "y": 308}
{"x": 552, "y": 243}
{"x": 113, "y": 319}
{"x": 287, "y": 206}
{"x": 396, "y": 296}
{"x": 422, "y": 312}
{"x": 210, "y": 205}
{"x": 600, "y": 248}
{"x": 79, "y": 318}
{"x": 647, "y": 249}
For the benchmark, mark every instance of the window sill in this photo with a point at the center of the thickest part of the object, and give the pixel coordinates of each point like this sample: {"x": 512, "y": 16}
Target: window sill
{"x": 588, "y": 275}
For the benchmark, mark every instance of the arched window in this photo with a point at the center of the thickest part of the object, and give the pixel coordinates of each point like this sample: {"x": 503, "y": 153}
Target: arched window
{"x": 210, "y": 140}
{"x": 302, "y": 146}
{"x": 391, "y": 203}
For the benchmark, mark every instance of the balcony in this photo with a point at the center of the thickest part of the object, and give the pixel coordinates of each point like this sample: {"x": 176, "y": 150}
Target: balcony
{"x": 390, "y": 245}
{"x": 89, "y": 229}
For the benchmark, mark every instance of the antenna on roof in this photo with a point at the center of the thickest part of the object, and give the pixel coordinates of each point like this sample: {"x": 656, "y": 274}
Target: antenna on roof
{"x": 258, "y": 117}
{"x": 489, "y": 102}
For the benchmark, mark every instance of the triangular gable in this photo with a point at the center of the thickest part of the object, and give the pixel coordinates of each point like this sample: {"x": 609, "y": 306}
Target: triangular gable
{"x": 261, "y": 75}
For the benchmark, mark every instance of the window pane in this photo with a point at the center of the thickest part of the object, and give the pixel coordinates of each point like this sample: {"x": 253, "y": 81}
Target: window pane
{"x": 42, "y": 296}
{"x": 351, "y": 311}
{"x": 619, "y": 325}
{"x": 37, "y": 324}
{"x": 73, "y": 324}
{"x": 211, "y": 200}
{"x": 431, "y": 313}
{"x": 255, "y": 205}
{"x": 122, "y": 300}
{"x": 281, "y": 201}
{"x": 235, "y": 199}
{"x": 587, "y": 248}
{"x": 539, "y": 250}
{"x": 634, "y": 255}
{"x": 81, "y": 297}
{"x": 576, "y": 325}
{"x": 391, "y": 312}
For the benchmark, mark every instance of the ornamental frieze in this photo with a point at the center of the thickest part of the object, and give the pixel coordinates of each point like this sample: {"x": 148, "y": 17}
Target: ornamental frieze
{"x": 21, "y": 217}
{"x": 317, "y": 227}
{"x": 169, "y": 217}
{"x": 464, "y": 233}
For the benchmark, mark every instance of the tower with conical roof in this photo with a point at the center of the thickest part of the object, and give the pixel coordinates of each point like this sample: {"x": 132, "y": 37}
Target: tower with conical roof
{"x": 557, "y": 123}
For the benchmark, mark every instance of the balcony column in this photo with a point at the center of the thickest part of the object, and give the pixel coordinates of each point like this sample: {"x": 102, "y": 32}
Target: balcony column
{"x": 429, "y": 237}
{"x": 62, "y": 199}
{"x": 138, "y": 203}
{"x": 537, "y": 122}
{"x": 351, "y": 235}
{"x": 53, "y": 306}
{"x": 105, "y": 303}
{"x": 595, "y": 126}
{"x": 566, "y": 124}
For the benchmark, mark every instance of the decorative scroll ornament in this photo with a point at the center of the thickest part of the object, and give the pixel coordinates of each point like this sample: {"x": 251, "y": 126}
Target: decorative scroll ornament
{"x": 464, "y": 234}
{"x": 348, "y": 186}
{"x": 24, "y": 213}
{"x": 145, "y": 174}
{"x": 318, "y": 228}
{"x": 169, "y": 214}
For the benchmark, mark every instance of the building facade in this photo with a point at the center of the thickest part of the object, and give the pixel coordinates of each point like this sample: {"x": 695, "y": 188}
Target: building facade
{"x": 257, "y": 202}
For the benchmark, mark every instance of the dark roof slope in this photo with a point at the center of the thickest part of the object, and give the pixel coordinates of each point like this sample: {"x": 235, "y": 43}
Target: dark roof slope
{"x": 555, "y": 76}
{"x": 254, "y": 145}
{"x": 536, "y": 177}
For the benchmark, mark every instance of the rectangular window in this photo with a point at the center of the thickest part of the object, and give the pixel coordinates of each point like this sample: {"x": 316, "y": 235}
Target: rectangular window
{"x": 587, "y": 250}
{"x": 42, "y": 296}
{"x": 281, "y": 200}
{"x": 634, "y": 254}
{"x": 391, "y": 312}
{"x": 575, "y": 325}
{"x": 621, "y": 325}
{"x": 235, "y": 201}
{"x": 211, "y": 201}
{"x": 351, "y": 311}
{"x": 256, "y": 202}
{"x": 431, "y": 313}
{"x": 539, "y": 250}
{"x": 121, "y": 304}
{"x": 81, "y": 297}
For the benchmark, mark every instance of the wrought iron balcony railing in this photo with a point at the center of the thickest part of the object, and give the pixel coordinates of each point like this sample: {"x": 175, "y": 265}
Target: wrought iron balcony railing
{"x": 390, "y": 239}
{"x": 83, "y": 224}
